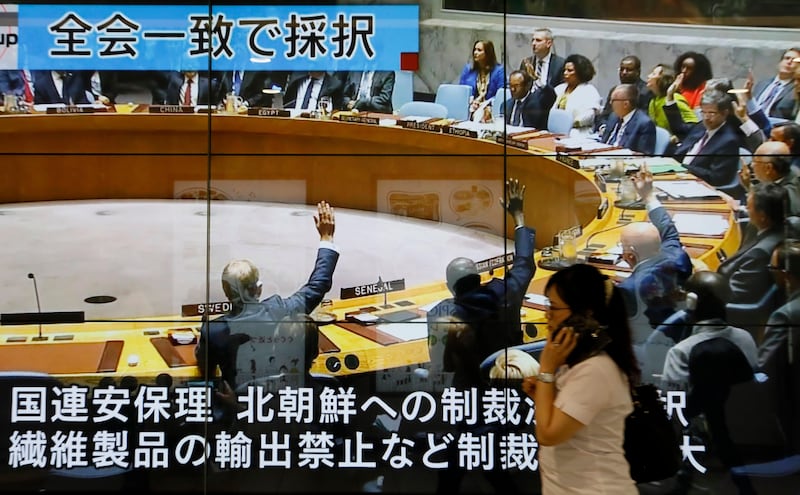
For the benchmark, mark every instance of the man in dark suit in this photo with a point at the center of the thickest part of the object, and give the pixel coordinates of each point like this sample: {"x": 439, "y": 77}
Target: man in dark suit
{"x": 369, "y": 91}
{"x": 220, "y": 339}
{"x": 191, "y": 88}
{"x": 544, "y": 66}
{"x": 660, "y": 267}
{"x": 303, "y": 92}
{"x": 711, "y": 148}
{"x": 52, "y": 86}
{"x": 747, "y": 269}
{"x": 526, "y": 108}
{"x": 492, "y": 309}
{"x": 775, "y": 95}
{"x": 249, "y": 85}
{"x": 630, "y": 70}
{"x": 776, "y": 358}
{"x": 628, "y": 126}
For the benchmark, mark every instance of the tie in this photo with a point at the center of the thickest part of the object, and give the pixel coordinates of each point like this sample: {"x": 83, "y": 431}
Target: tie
{"x": 307, "y": 96}
{"x": 27, "y": 86}
{"x": 613, "y": 138}
{"x": 237, "y": 81}
{"x": 702, "y": 143}
{"x": 187, "y": 94}
{"x": 767, "y": 97}
{"x": 691, "y": 156}
{"x": 516, "y": 115}
{"x": 539, "y": 64}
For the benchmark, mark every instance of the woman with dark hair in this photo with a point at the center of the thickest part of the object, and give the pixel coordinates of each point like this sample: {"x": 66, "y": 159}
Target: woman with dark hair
{"x": 693, "y": 71}
{"x": 577, "y": 96}
{"x": 582, "y": 391}
{"x": 484, "y": 74}
{"x": 658, "y": 82}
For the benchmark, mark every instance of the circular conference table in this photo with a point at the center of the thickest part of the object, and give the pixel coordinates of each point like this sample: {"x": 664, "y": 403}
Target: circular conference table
{"x": 405, "y": 173}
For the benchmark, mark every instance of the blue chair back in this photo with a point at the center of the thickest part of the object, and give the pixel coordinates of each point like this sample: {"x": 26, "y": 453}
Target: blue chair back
{"x": 662, "y": 140}
{"x": 500, "y": 98}
{"x": 456, "y": 98}
{"x": 559, "y": 121}
{"x": 423, "y": 109}
{"x": 403, "y": 88}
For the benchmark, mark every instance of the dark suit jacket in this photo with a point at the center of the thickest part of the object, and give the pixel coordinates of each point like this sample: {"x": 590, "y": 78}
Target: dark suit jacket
{"x": 380, "y": 99}
{"x": 331, "y": 86}
{"x": 654, "y": 282}
{"x": 643, "y": 103}
{"x": 718, "y": 162}
{"x": 207, "y": 89}
{"x": 492, "y": 309}
{"x": 638, "y": 135}
{"x": 784, "y": 106}
{"x": 221, "y": 345}
{"x": 11, "y": 83}
{"x": 45, "y": 89}
{"x": 251, "y": 89}
{"x": 555, "y": 72}
{"x": 535, "y": 108}
{"x": 747, "y": 268}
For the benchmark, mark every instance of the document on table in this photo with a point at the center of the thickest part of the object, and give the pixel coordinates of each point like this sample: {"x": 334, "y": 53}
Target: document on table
{"x": 407, "y": 330}
{"x": 685, "y": 189}
{"x": 699, "y": 224}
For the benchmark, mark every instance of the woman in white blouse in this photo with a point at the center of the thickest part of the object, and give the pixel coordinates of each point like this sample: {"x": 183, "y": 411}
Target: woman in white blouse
{"x": 577, "y": 96}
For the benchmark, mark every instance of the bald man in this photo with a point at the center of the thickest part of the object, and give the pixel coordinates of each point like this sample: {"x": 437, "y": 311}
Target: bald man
{"x": 772, "y": 164}
{"x": 660, "y": 267}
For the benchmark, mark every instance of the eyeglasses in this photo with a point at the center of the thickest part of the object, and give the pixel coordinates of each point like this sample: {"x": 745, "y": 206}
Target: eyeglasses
{"x": 548, "y": 307}
{"x": 775, "y": 268}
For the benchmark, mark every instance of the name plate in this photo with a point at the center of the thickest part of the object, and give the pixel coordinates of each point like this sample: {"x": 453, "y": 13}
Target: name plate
{"x": 379, "y": 287}
{"x": 514, "y": 143}
{"x": 171, "y": 109}
{"x": 496, "y": 262}
{"x": 456, "y": 131}
{"x": 568, "y": 160}
{"x": 55, "y": 110}
{"x": 212, "y": 308}
{"x": 420, "y": 126}
{"x": 268, "y": 112}
{"x": 359, "y": 119}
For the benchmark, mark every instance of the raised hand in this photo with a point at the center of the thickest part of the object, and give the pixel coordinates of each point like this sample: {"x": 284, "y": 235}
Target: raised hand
{"x": 325, "y": 221}
{"x": 515, "y": 192}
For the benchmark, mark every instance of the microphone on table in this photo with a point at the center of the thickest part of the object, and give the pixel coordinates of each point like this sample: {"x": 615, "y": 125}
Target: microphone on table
{"x": 595, "y": 234}
{"x": 38, "y": 303}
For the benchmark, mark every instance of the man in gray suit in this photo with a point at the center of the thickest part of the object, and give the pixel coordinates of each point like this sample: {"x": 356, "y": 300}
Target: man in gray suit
{"x": 779, "y": 352}
{"x": 747, "y": 270}
{"x": 775, "y": 95}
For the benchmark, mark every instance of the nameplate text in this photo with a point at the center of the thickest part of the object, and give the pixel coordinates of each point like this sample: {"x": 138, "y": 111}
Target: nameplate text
{"x": 211, "y": 308}
{"x": 379, "y": 287}
{"x": 171, "y": 109}
{"x": 514, "y": 143}
{"x": 268, "y": 112}
{"x": 495, "y": 262}
{"x": 457, "y": 131}
{"x": 58, "y": 110}
{"x": 420, "y": 126}
{"x": 359, "y": 119}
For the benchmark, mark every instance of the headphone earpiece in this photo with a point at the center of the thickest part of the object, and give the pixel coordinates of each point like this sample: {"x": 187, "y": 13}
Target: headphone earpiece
{"x": 691, "y": 301}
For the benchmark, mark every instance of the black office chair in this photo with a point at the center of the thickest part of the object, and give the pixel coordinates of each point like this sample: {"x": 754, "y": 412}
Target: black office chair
{"x": 753, "y": 316}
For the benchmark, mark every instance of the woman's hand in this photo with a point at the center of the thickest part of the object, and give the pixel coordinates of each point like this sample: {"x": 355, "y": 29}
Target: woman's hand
{"x": 557, "y": 350}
